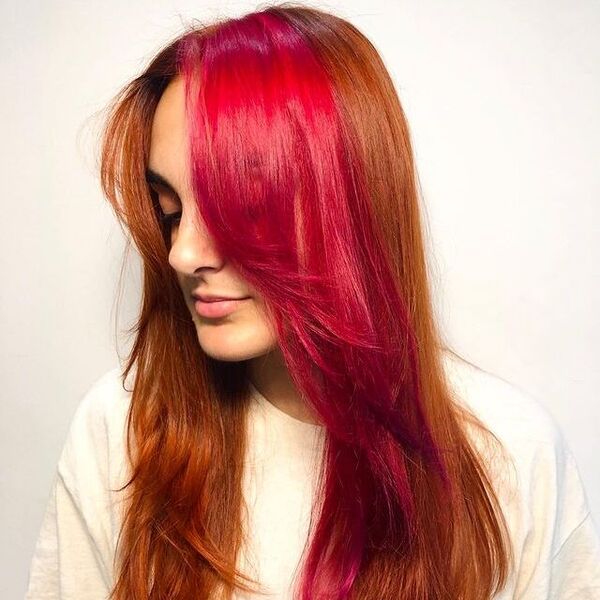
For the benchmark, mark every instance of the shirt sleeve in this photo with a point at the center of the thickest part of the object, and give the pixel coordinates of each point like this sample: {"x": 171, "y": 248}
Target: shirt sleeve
{"x": 66, "y": 561}
{"x": 561, "y": 559}
{"x": 575, "y": 564}
{"x": 73, "y": 554}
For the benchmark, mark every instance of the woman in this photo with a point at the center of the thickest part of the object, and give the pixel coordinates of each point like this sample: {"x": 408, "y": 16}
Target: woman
{"x": 293, "y": 423}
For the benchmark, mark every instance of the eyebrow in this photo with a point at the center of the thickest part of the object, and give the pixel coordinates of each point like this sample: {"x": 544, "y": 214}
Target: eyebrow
{"x": 157, "y": 178}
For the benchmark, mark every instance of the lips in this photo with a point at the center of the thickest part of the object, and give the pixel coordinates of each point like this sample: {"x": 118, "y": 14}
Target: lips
{"x": 216, "y": 306}
{"x": 215, "y": 298}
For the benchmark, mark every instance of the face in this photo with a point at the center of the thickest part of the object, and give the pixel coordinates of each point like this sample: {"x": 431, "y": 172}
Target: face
{"x": 229, "y": 331}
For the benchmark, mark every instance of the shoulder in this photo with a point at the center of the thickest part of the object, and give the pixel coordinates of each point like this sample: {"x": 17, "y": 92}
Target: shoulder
{"x": 527, "y": 430}
{"x": 82, "y": 518}
{"x": 514, "y": 415}
{"x": 94, "y": 445}
{"x": 105, "y": 396}
{"x": 543, "y": 497}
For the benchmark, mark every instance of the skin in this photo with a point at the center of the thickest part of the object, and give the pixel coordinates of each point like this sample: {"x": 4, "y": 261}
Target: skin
{"x": 245, "y": 334}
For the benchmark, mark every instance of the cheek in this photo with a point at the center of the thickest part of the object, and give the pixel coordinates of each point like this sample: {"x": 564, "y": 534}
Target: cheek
{"x": 254, "y": 317}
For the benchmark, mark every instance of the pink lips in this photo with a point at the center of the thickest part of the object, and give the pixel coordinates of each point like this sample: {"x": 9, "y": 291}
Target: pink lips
{"x": 212, "y": 306}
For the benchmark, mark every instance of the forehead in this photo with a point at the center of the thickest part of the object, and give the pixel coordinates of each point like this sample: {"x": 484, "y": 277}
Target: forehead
{"x": 168, "y": 135}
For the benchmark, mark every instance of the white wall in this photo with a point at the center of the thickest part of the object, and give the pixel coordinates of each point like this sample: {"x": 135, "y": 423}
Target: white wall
{"x": 502, "y": 99}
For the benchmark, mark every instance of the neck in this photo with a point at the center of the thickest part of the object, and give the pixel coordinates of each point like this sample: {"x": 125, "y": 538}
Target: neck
{"x": 270, "y": 376}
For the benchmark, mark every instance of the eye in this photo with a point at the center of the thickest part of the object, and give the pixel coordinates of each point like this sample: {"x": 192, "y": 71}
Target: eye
{"x": 165, "y": 219}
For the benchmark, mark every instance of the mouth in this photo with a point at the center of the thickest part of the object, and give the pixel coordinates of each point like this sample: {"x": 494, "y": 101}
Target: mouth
{"x": 215, "y": 308}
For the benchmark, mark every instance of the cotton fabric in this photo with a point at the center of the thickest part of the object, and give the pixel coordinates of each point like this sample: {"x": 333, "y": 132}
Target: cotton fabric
{"x": 555, "y": 539}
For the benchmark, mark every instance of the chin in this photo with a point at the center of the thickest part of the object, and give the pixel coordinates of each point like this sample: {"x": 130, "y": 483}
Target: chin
{"x": 234, "y": 342}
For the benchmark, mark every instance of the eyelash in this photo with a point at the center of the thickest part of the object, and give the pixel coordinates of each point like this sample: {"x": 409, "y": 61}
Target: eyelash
{"x": 168, "y": 219}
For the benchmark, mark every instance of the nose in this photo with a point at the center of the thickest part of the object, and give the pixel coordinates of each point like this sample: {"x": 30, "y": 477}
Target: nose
{"x": 192, "y": 247}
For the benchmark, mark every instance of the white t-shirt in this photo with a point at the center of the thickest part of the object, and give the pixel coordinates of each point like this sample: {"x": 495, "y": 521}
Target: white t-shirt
{"x": 555, "y": 540}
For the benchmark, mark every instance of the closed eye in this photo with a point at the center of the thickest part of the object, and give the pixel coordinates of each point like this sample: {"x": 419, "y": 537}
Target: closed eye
{"x": 166, "y": 219}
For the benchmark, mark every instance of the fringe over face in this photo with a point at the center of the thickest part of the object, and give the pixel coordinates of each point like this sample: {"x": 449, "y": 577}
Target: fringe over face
{"x": 303, "y": 173}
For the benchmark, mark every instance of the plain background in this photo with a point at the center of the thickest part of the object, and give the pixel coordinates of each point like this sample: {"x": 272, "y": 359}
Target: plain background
{"x": 502, "y": 98}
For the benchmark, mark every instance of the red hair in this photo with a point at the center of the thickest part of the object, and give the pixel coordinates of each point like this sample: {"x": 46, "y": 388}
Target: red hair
{"x": 303, "y": 172}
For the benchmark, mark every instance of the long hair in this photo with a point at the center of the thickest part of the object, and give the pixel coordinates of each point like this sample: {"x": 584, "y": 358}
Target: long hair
{"x": 303, "y": 172}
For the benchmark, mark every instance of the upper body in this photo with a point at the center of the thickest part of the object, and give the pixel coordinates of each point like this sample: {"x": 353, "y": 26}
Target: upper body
{"x": 555, "y": 541}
